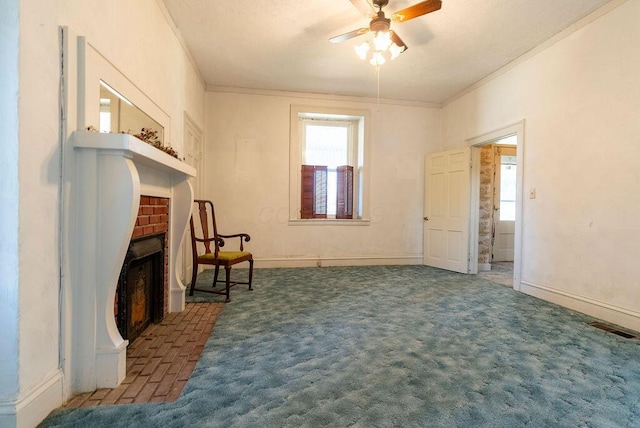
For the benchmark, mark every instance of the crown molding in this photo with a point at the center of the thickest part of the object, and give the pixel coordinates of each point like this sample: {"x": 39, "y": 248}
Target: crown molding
{"x": 319, "y": 96}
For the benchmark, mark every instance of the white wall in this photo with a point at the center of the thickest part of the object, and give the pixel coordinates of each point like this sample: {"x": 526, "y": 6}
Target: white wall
{"x": 580, "y": 99}
{"x": 137, "y": 39}
{"x": 251, "y": 193}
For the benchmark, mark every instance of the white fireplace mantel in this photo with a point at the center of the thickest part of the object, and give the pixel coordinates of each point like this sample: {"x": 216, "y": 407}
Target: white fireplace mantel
{"x": 112, "y": 171}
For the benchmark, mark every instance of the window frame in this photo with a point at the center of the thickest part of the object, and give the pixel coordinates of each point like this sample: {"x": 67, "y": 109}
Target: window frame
{"x": 359, "y": 138}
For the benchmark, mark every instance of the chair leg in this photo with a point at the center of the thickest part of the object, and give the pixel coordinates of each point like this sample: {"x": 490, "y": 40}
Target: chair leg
{"x": 227, "y": 270}
{"x": 250, "y": 273}
{"x": 194, "y": 275}
{"x": 215, "y": 275}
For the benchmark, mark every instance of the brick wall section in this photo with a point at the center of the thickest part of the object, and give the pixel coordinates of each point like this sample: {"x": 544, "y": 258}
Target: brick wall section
{"x": 485, "y": 227}
{"x": 153, "y": 218}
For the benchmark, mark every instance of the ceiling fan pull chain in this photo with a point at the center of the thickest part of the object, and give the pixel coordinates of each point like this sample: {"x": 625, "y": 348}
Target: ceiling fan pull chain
{"x": 378, "y": 77}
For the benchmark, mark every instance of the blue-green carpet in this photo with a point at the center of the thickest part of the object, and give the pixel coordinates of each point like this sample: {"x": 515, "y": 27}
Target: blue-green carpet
{"x": 393, "y": 346}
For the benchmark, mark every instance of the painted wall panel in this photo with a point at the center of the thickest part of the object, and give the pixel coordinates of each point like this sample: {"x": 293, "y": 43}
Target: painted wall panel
{"x": 251, "y": 193}
{"x": 580, "y": 98}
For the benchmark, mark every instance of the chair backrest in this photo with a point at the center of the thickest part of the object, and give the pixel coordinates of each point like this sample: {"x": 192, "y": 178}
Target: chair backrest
{"x": 208, "y": 229}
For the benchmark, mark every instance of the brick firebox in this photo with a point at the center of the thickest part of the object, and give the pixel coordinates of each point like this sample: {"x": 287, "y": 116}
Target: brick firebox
{"x": 153, "y": 218}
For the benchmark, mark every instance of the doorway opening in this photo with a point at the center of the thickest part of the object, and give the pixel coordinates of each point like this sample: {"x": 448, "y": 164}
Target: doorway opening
{"x": 496, "y": 205}
{"x": 194, "y": 156}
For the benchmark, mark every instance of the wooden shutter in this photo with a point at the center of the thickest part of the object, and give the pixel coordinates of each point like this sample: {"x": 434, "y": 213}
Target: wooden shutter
{"x": 307, "y": 192}
{"x": 313, "y": 192}
{"x": 344, "y": 202}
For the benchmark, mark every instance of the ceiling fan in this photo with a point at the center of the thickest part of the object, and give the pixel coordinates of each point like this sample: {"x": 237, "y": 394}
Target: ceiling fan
{"x": 380, "y": 25}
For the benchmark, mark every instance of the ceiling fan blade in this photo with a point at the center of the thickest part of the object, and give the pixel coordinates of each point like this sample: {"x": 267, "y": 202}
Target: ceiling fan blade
{"x": 365, "y": 7}
{"x": 349, "y": 35}
{"x": 416, "y": 10}
{"x": 398, "y": 41}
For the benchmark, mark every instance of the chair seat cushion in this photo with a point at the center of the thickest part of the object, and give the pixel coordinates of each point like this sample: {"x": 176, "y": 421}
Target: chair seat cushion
{"x": 226, "y": 255}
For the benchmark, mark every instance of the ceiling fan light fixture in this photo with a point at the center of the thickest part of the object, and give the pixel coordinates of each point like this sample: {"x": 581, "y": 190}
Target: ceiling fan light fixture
{"x": 382, "y": 41}
{"x": 383, "y": 48}
{"x": 386, "y": 43}
{"x": 395, "y": 50}
{"x": 362, "y": 49}
{"x": 377, "y": 59}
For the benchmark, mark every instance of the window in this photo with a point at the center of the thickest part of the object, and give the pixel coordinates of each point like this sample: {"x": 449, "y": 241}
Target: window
{"x": 327, "y": 164}
{"x": 508, "y": 188}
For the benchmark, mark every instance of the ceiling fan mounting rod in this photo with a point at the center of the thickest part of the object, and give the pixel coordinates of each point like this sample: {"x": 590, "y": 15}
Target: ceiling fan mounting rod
{"x": 380, "y": 23}
{"x": 380, "y": 3}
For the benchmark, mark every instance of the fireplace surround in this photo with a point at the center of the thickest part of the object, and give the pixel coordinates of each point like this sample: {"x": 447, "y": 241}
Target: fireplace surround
{"x": 112, "y": 172}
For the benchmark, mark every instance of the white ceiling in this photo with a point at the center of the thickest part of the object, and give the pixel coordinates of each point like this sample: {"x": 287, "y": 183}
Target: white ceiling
{"x": 283, "y": 44}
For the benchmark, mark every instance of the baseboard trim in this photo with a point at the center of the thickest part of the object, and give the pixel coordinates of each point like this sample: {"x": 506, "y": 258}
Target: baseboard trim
{"x": 604, "y": 311}
{"x": 30, "y": 410}
{"x": 283, "y": 262}
{"x": 484, "y": 267}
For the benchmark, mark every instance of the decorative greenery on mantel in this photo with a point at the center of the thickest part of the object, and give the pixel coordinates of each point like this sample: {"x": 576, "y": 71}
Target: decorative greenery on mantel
{"x": 150, "y": 137}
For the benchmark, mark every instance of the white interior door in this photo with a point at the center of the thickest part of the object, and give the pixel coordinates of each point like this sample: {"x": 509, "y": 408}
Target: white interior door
{"x": 194, "y": 157}
{"x": 446, "y": 211}
{"x": 504, "y": 204}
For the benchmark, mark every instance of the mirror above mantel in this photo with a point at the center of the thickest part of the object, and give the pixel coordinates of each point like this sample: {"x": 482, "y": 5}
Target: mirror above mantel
{"x": 129, "y": 108}
{"x": 118, "y": 114}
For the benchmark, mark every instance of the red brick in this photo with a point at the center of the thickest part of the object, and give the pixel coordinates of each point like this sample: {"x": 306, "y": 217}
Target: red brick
{"x": 164, "y": 387}
{"x": 160, "y": 228}
{"x": 160, "y": 210}
{"x": 146, "y": 393}
{"x": 144, "y": 200}
{"x": 173, "y": 337}
{"x": 150, "y": 367}
{"x": 141, "y": 345}
{"x": 159, "y": 373}
{"x": 157, "y": 343}
{"x": 132, "y": 375}
{"x": 187, "y": 369}
{"x": 186, "y": 349}
{"x": 114, "y": 395}
{"x": 143, "y": 220}
{"x": 147, "y": 210}
{"x": 195, "y": 354}
{"x": 180, "y": 341}
{"x": 99, "y": 394}
{"x": 176, "y": 366}
{"x": 154, "y": 219}
{"x": 147, "y": 230}
{"x": 163, "y": 348}
{"x": 176, "y": 390}
{"x": 170, "y": 355}
{"x": 78, "y": 399}
{"x": 137, "y": 231}
{"x": 135, "y": 387}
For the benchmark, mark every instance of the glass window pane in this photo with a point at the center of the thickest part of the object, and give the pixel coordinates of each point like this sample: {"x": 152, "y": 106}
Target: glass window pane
{"x": 508, "y": 189}
{"x": 326, "y": 145}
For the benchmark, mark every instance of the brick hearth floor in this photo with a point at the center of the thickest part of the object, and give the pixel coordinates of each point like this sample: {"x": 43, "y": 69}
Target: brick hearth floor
{"x": 160, "y": 360}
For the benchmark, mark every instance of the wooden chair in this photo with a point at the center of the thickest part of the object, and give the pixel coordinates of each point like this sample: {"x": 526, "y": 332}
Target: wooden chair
{"x": 210, "y": 253}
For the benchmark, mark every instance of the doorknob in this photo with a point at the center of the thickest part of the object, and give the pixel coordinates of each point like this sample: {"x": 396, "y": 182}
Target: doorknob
{"x": 426, "y": 218}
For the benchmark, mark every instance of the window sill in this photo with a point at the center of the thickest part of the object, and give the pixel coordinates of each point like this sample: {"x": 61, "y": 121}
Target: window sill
{"x": 329, "y": 222}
